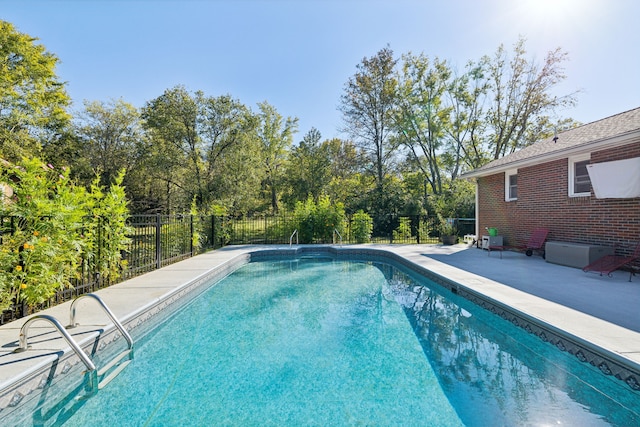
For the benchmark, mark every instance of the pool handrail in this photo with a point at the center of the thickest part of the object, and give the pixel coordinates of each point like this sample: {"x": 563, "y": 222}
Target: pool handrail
{"x": 335, "y": 231}
{"x": 295, "y": 233}
{"x": 73, "y": 324}
{"x": 116, "y": 365}
{"x": 91, "y": 368}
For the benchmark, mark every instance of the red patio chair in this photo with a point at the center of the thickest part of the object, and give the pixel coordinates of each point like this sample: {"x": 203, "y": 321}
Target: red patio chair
{"x": 535, "y": 243}
{"x": 610, "y": 263}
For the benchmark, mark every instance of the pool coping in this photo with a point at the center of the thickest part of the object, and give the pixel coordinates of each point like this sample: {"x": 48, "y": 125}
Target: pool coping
{"x": 613, "y": 349}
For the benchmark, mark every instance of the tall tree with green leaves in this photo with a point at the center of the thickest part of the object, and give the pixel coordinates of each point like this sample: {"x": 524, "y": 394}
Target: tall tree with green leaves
{"x": 190, "y": 135}
{"x": 466, "y": 95}
{"x": 171, "y": 123}
{"x": 33, "y": 101}
{"x": 423, "y": 114}
{"x": 368, "y": 107}
{"x": 227, "y": 130}
{"x": 112, "y": 139}
{"x": 348, "y": 182}
{"x": 344, "y": 157}
{"x": 521, "y": 97}
{"x": 239, "y": 178}
{"x": 275, "y": 134}
{"x": 308, "y": 169}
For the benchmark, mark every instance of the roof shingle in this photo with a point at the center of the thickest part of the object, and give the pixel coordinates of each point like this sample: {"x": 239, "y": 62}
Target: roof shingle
{"x": 590, "y": 133}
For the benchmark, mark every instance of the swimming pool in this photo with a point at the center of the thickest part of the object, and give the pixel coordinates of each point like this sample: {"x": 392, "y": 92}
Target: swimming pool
{"x": 332, "y": 342}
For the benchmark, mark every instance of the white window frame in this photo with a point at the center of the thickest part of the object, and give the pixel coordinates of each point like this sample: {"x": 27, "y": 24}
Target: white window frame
{"x": 572, "y": 174}
{"x": 507, "y": 193}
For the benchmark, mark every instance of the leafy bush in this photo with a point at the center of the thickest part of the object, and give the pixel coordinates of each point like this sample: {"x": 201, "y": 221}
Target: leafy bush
{"x": 49, "y": 226}
{"x": 106, "y": 232}
{"x": 429, "y": 231}
{"x": 403, "y": 231}
{"x": 361, "y": 227}
{"x": 198, "y": 237}
{"x": 316, "y": 222}
{"x": 446, "y": 227}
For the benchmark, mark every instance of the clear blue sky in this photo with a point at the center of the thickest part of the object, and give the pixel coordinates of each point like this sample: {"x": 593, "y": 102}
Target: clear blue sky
{"x": 298, "y": 54}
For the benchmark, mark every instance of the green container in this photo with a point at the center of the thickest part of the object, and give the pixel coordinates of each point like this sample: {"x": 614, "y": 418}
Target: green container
{"x": 493, "y": 231}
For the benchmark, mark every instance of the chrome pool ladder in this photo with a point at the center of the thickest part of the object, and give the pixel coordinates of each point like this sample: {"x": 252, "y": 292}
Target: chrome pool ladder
{"x": 336, "y": 232}
{"x": 90, "y": 373}
{"x": 96, "y": 378}
{"x": 117, "y": 364}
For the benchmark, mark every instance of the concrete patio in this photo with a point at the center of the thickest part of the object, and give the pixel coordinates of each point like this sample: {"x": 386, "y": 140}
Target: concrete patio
{"x": 613, "y": 299}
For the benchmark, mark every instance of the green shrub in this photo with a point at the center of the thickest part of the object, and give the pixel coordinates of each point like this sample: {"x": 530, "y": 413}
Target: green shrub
{"x": 106, "y": 232}
{"x": 446, "y": 227}
{"x": 316, "y": 222}
{"x": 49, "y": 226}
{"x": 403, "y": 231}
{"x": 361, "y": 227}
{"x": 428, "y": 231}
{"x": 198, "y": 237}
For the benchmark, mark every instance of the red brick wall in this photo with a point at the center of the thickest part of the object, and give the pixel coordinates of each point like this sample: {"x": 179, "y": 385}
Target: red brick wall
{"x": 543, "y": 201}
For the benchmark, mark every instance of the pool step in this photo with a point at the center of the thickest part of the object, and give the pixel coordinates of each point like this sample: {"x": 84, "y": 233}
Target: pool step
{"x": 114, "y": 373}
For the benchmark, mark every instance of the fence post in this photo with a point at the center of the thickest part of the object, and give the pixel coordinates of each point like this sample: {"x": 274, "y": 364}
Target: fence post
{"x": 158, "y": 241}
{"x": 213, "y": 231}
{"x": 391, "y": 218}
{"x": 191, "y": 234}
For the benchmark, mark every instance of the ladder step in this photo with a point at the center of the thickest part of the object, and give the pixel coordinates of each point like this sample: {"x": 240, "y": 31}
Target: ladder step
{"x": 113, "y": 362}
{"x": 106, "y": 380}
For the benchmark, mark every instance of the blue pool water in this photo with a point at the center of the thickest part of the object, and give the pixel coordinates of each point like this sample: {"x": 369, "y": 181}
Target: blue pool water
{"x": 322, "y": 342}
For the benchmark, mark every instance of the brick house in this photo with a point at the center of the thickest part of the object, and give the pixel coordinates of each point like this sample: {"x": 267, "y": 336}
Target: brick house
{"x": 583, "y": 185}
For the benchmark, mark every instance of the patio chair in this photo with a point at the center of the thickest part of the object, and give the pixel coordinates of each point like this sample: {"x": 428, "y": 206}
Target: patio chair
{"x": 610, "y": 263}
{"x": 535, "y": 243}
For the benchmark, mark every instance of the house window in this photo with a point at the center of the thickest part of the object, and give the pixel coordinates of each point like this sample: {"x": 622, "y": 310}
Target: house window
{"x": 579, "y": 182}
{"x": 511, "y": 185}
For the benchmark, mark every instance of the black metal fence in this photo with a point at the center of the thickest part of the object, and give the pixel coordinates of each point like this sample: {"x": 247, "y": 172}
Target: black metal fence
{"x": 396, "y": 229}
{"x": 160, "y": 240}
{"x": 156, "y": 241}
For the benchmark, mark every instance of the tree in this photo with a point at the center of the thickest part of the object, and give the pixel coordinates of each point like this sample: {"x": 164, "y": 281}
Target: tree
{"x": 308, "y": 169}
{"x": 444, "y": 123}
{"x": 347, "y": 183}
{"x": 422, "y": 119}
{"x": 466, "y": 94}
{"x": 191, "y": 134}
{"x": 275, "y": 134}
{"x": 171, "y": 122}
{"x": 227, "y": 130}
{"x": 344, "y": 158}
{"x": 239, "y": 179}
{"x": 368, "y": 105}
{"x": 521, "y": 97}
{"x": 33, "y": 101}
{"x": 111, "y": 137}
